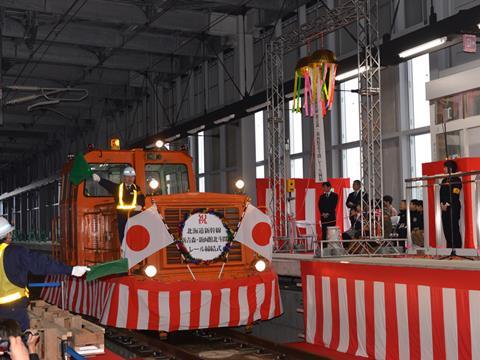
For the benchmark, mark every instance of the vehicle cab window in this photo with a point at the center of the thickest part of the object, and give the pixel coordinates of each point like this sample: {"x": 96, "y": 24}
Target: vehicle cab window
{"x": 112, "y": 172}
{"x": 165, "y": 179}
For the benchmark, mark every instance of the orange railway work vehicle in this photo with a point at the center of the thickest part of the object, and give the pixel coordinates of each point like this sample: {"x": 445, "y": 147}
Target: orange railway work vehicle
{"x": 183, "y": 292}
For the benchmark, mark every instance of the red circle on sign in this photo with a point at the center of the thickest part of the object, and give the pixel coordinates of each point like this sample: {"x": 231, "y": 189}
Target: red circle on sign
{"x": 138, "y": 238}
{"x": 261, "y": 233}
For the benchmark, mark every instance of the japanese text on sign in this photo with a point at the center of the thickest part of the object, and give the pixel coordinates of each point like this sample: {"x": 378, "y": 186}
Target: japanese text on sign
{"x": 204, "y": 236}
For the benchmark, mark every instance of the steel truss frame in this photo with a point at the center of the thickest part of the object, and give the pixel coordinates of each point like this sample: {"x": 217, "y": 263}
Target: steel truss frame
{"x": 370, "y": 117}
{"x": 365, "y": 14}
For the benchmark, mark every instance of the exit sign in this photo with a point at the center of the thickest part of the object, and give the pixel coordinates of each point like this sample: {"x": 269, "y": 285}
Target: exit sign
{"x": 469, "y": 43}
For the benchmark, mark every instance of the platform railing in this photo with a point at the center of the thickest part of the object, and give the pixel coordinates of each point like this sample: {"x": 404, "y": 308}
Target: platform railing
{"x": 361, "y": 247}
{"x": 297, "y": 243}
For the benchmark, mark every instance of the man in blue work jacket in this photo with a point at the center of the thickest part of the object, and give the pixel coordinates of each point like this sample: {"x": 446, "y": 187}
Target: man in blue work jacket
{"x": 15, "y": 264}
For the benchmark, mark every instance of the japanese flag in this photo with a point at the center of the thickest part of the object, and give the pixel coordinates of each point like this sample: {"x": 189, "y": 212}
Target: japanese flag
{"x": 145, "y": 234}
{"x": 255, "y": 231}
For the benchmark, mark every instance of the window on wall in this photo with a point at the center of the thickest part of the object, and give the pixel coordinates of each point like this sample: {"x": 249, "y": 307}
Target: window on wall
{"x": 350, "y": 113}
{"x": 418, "y": 75}
{"x": 295, "y": 126}
{"x": 260, "y": 171}
{"x": 296, "y": 168}
{"x": 296, "y": 142}
{"x": 201, "y": 161}
{"x": 420, "y": 149}
{"x": 351, "y": 163}
{"x": 259, "y": 145}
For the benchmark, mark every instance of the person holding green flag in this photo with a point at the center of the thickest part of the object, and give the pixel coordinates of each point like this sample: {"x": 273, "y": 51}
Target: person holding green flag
{"x": 80, "y": 170}
{"x": 128, "y": 196}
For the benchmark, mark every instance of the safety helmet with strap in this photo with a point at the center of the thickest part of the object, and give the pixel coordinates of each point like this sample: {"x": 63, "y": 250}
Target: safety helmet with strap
{"x": 5, "y": 227}
{"x": 129, "y": 171}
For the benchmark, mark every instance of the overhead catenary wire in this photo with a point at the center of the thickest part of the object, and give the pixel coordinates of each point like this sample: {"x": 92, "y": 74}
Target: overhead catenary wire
{"x": 32, "y": 54}
{"x": 151, "y": 67}
{"x": 181, "y": 45}
{"x": 56, "y": 35}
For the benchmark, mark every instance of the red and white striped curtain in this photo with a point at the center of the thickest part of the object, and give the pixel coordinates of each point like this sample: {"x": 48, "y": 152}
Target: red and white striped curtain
{"x": 185, "y": 305}
{"x": 392, "y": 312}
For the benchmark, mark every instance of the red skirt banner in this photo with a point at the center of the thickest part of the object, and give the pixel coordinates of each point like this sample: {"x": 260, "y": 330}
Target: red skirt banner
{"x": 392, "y": 312}
{"x": 142, "y": 304}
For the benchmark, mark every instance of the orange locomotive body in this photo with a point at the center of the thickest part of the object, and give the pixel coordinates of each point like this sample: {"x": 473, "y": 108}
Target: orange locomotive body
{"x": 198, "y": 296}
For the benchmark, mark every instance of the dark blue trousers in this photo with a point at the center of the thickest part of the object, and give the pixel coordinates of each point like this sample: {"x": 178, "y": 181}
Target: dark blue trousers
{"x": 16, "y": 310}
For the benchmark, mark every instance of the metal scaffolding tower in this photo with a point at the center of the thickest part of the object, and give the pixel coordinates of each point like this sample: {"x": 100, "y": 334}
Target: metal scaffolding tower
{"x": 370, "y": 117}
{"x": 276, "y": 138}
{"x": 365, "y": 14}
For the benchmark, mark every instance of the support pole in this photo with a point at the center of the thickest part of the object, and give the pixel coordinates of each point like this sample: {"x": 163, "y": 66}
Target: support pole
{"x": 370, "y": 116}
{"x": 2, "y": 20}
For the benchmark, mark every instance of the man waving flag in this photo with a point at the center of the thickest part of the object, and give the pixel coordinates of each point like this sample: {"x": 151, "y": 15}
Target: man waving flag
{"x": 145, "y": 234}
{"x": 255, "y": 231}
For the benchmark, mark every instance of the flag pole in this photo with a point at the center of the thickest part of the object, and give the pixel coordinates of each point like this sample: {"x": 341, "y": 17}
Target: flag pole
{"x": 188, "y": 267}
{"x": 221, "y": 270}
{"x": 223, "y": 266}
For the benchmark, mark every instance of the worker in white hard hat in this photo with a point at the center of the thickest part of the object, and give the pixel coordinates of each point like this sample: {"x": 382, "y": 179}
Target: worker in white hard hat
{"x": 16, "y": 262}
{"x": 129, "y": 199}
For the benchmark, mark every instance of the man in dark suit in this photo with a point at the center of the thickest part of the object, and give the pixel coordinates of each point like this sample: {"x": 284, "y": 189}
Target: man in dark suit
{"x": 327, "y": 206}
{"x": 450, "y": 190}
{"x": 355, "y": 197}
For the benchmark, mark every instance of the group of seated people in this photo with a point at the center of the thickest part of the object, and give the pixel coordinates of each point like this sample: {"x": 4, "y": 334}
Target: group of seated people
{"x": 394, "y": 222}
{"x": 416, "y": 221}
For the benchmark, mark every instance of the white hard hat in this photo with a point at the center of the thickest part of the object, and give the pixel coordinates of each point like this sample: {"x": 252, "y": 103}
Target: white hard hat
{"x": 5, "y": 227}
{"x": 129, "y": 171}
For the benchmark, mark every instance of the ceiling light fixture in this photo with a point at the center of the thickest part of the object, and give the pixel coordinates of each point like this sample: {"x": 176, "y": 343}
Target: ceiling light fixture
{"x": 170, "y": 139}
{"x": 224, "y": 119}
{"x": 257, "y": 107}
{"x": 196, "y": 130}
{"x": 350, "y": 74}
{"x": 423, "y": 47}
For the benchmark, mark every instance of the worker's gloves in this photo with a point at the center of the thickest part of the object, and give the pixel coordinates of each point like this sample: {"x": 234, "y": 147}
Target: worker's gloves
{"x": 79, "y": 271}
{"x": 138, "y": 208}
{"x": 96, "y": 177}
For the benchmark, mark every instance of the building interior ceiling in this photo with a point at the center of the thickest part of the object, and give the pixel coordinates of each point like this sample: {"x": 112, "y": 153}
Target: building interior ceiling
{"x": 112, "y": 48}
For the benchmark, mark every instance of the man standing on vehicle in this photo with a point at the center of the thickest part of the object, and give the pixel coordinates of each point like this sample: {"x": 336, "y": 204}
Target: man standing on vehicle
{"x": 16, "y": 262}
{"x": 129, "y": 199}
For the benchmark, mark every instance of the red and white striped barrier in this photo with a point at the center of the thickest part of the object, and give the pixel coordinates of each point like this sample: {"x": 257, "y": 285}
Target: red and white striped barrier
{"x": 392, "y": 312}
{"x": 134, "y": 303}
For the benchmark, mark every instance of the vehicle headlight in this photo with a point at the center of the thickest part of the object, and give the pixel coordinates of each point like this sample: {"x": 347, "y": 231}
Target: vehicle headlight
{"x": 150, "y": 271}
{"x": 260, "y": 265}
{"x": 153, "y": 184}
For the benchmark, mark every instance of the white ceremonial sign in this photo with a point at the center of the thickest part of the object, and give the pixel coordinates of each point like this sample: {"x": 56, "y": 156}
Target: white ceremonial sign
{"x": 204, "y": 236}
{"x": 319, "y": 148}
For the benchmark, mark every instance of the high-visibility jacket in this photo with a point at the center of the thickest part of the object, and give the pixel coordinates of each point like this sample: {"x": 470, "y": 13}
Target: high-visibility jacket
{"x": 9, "y": 292}
{"x": 123, "y": 205}
{"x": 125, "y": 199}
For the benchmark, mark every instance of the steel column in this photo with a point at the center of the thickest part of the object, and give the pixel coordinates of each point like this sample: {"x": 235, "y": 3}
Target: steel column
{"x": 370, "y": 116}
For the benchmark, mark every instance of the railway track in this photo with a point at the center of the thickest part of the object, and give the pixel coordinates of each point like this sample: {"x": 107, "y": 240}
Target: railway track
{"x": 194, "y": 345}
